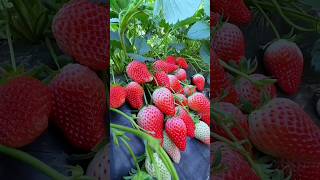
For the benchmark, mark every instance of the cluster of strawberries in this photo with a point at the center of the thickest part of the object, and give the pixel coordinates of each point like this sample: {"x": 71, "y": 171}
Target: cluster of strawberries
{"x": 247, "y": 104}
{"x": 171, "y": 117}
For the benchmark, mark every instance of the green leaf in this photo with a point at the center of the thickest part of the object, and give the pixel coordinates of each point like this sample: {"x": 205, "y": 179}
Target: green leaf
{"x": 199, "y": 31}
{"x": 177, "y": 46}
{"x": 140, "y": 58}
{"x": 157, "y": 8}
{"x": 206, "y": 7}
{"x": 205, "y": 53}
{"x": 178, "y": 10}
{"x": 142, "y": 46}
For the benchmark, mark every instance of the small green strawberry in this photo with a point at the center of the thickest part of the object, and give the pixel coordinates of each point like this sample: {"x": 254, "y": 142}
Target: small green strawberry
{"x": 164, "y": 172}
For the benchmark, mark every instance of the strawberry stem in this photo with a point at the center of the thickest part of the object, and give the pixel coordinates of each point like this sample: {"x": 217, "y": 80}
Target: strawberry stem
{"x": 35, "y": 163}
{"x": 12, "y": 56}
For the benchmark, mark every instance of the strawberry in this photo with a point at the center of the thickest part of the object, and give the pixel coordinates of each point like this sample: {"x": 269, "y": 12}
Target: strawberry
{"x": 182, "y": 63}
{"x": 284, "y": 60}
{"x": 198, "y": 80}
{"x": 229, "y": 43}
{"x": 235, "y": 11}
{"x": 164, "y": 100}
{"x": 24, "y": 109}
{"x": 187, "y": 119}
{"x": 160, "y": 65}
{"x": 202, "y": 132}
{"x": 79, "y": 106}
{"x": 233, "y": 118}
{"x": 252, "y": 96}
{"x": 220, "y": 83}
{"x": 171, "y": 60}
{"x": 99, "y": 166}
{"x": 180, "y": 99}
{"x": 139, "y": 72}
{"x": 189, "y": 90}
{"x": 282, "y": 129}
{"x": 117, "y": 96}
{"x": 79, "y": 29}
{"x": 162, "y": 79}
{"x": 300, "y": 170}
{"x": 199, "y": 102}
{"x": 215, "y": 19}
{"x": 177, "y": 132}
{"x": 175, "y": 85}
{"x": 150, "y": 118}
{"x": 234, "y": 165}
{"x": 181, "y": 74}
{"x": 135, "y": 95}
{"x": 163, "y": 171}
{"x": 205, "y": 117}
{"x": 172, "y": 150}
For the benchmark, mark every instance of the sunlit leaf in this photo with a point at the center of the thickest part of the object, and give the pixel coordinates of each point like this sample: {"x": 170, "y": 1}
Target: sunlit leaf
{"x": 199, "y": 31}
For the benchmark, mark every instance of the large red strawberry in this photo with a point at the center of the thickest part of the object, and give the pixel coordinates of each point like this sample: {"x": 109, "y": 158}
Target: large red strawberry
{"x": 229, "y": 43}
{"x": 181, "y": 74}
{"x": 160, "y": 65}
{"x": 300, "y": 170}
{"x": 233, "y": 119}
{"x": 235, "y": 11}
{"x": 164, "y": 100}
{"x": 182, "y": 63}
{"x": 80, "y": 31}
{"x": 177, "y": 132}
{"x": 135, "y": 95}
{"x": 282, "y": 129}
{"x": 252, "y": 96}
{"x": 199, "y": 102}
{"x": 171, "y": 60}
{"x": 25, "y": 104}
{"x": 187, "y": 119}
{"x": 161, "y": 79}
{"x": 175, "y": 85}
{"x": 139, "y": 72}
{"x": 117, "y": 96}
{"x": 233, "y": 164}
{"x": 284, "y": 60}
{"x": 220, "y": 84}
{"x": 79, "y": 106}
{"x": 99, "y": 166}
{"x": 199, "y": 81}
{"x": 150, "y": 118}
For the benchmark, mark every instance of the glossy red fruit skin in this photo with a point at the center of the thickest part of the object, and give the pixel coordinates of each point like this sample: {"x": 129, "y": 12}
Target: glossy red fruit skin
{"x": 177, "y": 132}
{"x": 79, "y": 106}
{"x": 199, "y": 102}
{"x": 161, "y": 65}
{"x": 282, "y": 129}
{"x": 229, "y": 43}
{"x": 161, "y": 79}
{"x": 220, "y": 83}
{"x": 284, "y": 61}
{"x": 135, "y": 95}
{"x": 236, "y": 166}
{"x": 300, "y": 170}
{"x": 233, "y": 112}
{"x": 199, "y": 81}
{"x": 205, "y": 117}
{"x": 187, "y": 119}
{"x": 182, "y": 63}
{"x": 25, "y": 105}
{"x": 171, "y": 60}
{"x": 235, "y": 11}
{"x": 175, "y": 85}
{"x": 79, "y": 30}
{"x": 151, "y": 119}
{"x": 117, "y": 96}
{"x": 164, "y": 100}
{"x": 139, "y": 72}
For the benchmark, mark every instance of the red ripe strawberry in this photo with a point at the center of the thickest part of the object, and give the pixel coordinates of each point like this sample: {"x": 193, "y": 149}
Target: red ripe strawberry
{"x": 199, "y": 81}
{"x": 187, "y": 119}
{"x": 252, "y": 96}
{"x": 181, "y": 74}
{"x": 79, "y": 29}
{"x": 177, "y": 132}
{"x": 205, "y": 117}
{"x": 150, "y": 118}
{"x": 139, "y": 72}
{"x": 164, "y": 100}
{"x": 199, "y": 102}
{"x": 171, "y": 60}
{"x": 117, "y": 96}
{"x": 284, "y": 60}
{"x": 25, "y": 104}
{"x": 202, "y": 132}
{"x": 79, "y": 106}
{"x": 229, "y": 43}
{"x": 135, "y": 95}
{"x": 300, "y": 170}
{"x": 182, "y": 63}
{"x": 162, "y": 79}
{"x": 215, "y": 19}
{"x": 233, "y": 116}
{"x": 282, "y": 129}
{"x": 189, "y": 90}
{"x": 181, "y": 99}
{"x": 220, "y": 83}
{"x": 175, "y": 85}
{"x": 236, "y": 167}
{"x": 99, "y": 166}
{"x": 172, "y": 150}
{"x": 160, "y": 65}
{"x": 235, "y": 11}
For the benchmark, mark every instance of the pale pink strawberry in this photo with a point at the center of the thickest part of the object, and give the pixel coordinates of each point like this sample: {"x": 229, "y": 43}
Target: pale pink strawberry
{"x": 161, "y": 79}
{"x": 181, "y": 99}
{"x": 164, "y": 100}
{"x": 172, "y": 150}
{"x": 187, "y": 119}
{"x": 202, "y": 132}
{"x": 139, "y": 72}
{"x": 175, "y": 85}
{"x": 199, "y": 81}
{"x": 177, "y": 132}
{"x": 181, "y": 74}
